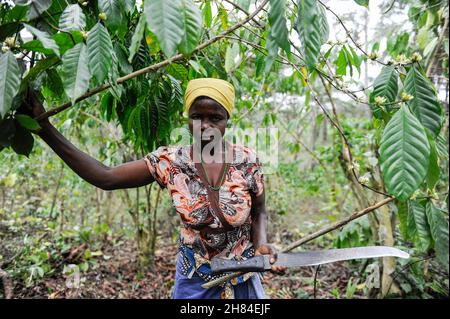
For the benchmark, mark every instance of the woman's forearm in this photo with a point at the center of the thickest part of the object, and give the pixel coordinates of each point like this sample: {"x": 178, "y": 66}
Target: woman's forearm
{"x": 81, "y": 163}
{"x": 259, "y": 221}
{"x": 260, "y": 230}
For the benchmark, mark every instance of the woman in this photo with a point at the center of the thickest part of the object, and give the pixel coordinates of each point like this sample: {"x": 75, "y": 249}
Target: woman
{"x": 216, "y": 188}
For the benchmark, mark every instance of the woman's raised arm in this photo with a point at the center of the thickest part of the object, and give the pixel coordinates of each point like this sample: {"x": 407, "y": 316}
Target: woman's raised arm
{"x": 131, "y": 174}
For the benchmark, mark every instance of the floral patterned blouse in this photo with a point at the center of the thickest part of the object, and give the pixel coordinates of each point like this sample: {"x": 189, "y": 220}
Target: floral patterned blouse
{"x": 173, "y": 168}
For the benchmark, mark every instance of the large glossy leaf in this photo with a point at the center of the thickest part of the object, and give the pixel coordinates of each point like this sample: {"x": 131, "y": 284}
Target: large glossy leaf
{"x": 402, "y": 213}
{"x": 311, "y": 28}
{"x": 423, "y": 234}
{"x": 66, "y": 41}
{"x": 230, "y": 56}
{"x": 272, "y": 52}
{"x": 9, "y": 81}
{"x": 439, "y": 231}
{"x": 100, "y": 49}
{"x": 207, "y": 13}
{"x": 75, "y": 71}
{"x": 425, "y": 105}
{"x": 165, "y": 20}
{"x": 72, "y": 18}
{"x": 433, "y": 169}
{"x": 385, "y": 85}
{"x": 324, "y": 28}
{"x": 136, "y": 39}
{"x": 192, "y": 26}
{"x": 37, "y": 7}
{"x": 114, "y": 10}
{"x": 44, "y": 37}
{"x": 277, "y": 20}
{"x": 41, "y": 66}
{"x": 404, "y": 154}
{"x": 442, "y": 146}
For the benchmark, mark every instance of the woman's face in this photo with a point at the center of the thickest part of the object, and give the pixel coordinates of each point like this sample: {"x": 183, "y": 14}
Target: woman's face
{"x": 210, "y": 114}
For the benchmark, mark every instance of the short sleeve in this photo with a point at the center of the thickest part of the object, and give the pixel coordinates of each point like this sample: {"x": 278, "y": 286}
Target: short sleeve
{"x": 255, "y": 177}
{"x": 159, "y": 163}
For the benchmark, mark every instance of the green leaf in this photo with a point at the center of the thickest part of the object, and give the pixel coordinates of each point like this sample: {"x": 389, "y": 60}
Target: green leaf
{"x": 165, "y": 20}
{"x": 439, "y": 231}
{"x": 356, "y": 59}
{"x": 75, "y": 71}
{"x": 207, "y": 13}
{"x": 66, "y": 41}
{"x": 23, "y": 141}
{"x": 442, "y": 146}
{"x": 129, "y": 5}
{"x": 424, "y": 105}
{"x": 433, "y": 170}
{"x": 9, "y": 81}
{"x": 311, "y": 29}
{"x": 402, "y": 213}
{"x": 27, "y": 122}
{"x": 198, "y": 67}
{"x": 341, "y": 63}
{"x": 192, "y": 26}
{"x": 278, "y": 28}
{"x": 124, "y": 66}
{"x": 37, "y": 7}
{"x": 178, "y": 71}
{"x": 36, "y": 46}
{"x": 230, "y": 56}
{"x": 45, "y": 39}
{"x": 37, "y": 69}
{"x": 423, "y": 235}
{"x": 272, "y": 52}
{"x": 364, "y": 3}
{"x": 136, "y": 39}
{"x": 404, "y": 154}
{"x": 99, "y": 48}
{"x": 386, "y": 85}
{"x": 114, "y": 13}
{"x": 324, "y": 28}
{"x": 72, "y": 18}
{"x": 54, "y": 83}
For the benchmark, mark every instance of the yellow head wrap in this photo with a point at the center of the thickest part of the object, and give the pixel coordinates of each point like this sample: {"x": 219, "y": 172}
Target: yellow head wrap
{"x": 219, "y": 90}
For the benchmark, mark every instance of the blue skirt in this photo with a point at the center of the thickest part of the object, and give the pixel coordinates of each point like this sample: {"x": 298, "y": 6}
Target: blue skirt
{"x": 191, "y": 288}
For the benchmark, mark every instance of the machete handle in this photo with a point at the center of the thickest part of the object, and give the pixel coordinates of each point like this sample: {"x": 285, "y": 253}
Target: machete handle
{"x": 258, "y": 263}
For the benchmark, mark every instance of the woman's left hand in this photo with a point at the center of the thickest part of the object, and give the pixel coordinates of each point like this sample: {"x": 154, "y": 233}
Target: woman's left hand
{"x": 267, "y": 249}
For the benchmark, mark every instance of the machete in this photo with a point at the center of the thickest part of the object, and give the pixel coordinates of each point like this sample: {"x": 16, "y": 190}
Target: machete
{"x": 304, "y": 258}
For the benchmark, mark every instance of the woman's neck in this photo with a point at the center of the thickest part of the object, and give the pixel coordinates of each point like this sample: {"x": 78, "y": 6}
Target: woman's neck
{"x": 208, "y": 148}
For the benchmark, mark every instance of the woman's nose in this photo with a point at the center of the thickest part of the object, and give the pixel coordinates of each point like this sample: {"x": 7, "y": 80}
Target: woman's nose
{"x": 205, "y": 125}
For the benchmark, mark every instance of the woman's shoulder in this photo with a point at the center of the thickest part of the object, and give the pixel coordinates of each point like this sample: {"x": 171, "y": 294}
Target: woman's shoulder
{"x": 170, "y": 152}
